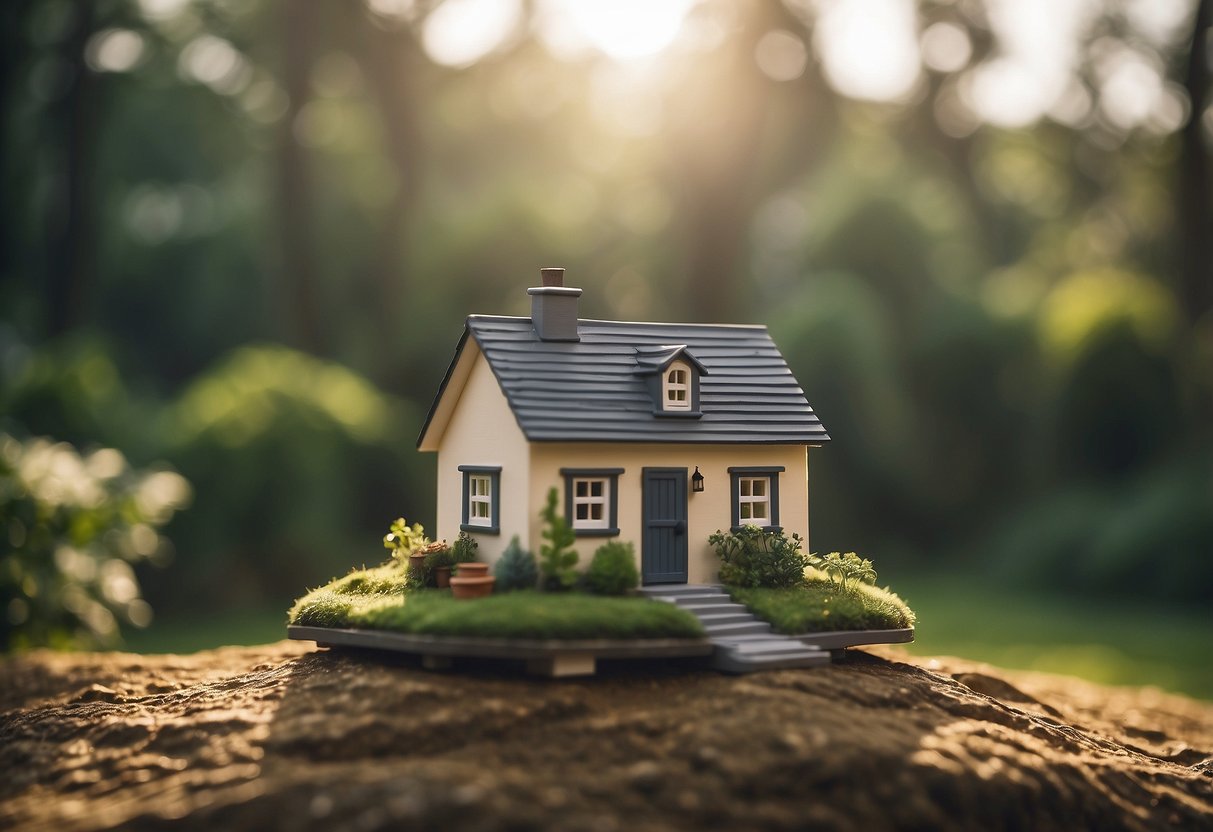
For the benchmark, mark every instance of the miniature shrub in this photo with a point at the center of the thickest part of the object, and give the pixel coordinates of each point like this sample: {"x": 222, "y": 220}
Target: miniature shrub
{"x": 465, "y": 548}
{"x": 516, "y": 569}
{"x": 444, "y": 556}
{"x": 404, "y": 539}
{"x": 612, "y": 570}
{"x": 558, "y": 560}
{"x": 751, "y": 557}
{"x": 844, "y": 567}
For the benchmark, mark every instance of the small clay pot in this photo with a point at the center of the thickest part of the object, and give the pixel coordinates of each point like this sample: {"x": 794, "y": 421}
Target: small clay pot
{"x": 442, "y": 576}
{"x": 473, "y": 569}
{"x": 417, "y": 564}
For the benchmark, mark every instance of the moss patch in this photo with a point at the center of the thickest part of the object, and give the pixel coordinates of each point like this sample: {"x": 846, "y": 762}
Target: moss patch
{"x": 376, "y": 599}
{"x": 820, "y": 606}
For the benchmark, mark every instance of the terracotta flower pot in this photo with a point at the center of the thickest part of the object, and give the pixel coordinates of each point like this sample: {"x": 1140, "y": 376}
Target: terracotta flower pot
{"x": 442, "y": 576}
{"x": 417, "y": 564}
{"x": 472, "y": 581}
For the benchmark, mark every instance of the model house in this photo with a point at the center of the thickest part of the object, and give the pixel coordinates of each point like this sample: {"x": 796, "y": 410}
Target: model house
{"x": 653, "y": 433}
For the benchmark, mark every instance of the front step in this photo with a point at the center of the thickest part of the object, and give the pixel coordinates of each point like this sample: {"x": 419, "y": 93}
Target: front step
{"x": 743, "y": 642}
{"x": 774, "y": 655}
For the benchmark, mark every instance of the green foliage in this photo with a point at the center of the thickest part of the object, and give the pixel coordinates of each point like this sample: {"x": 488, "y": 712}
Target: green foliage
{"x": 403, "y": 539}
{"x": 844, "y": 567}
{"x": 73, "y": 526}
{"x": 440, "y": 556}
{"x": 819, "y": 605}
{"x": 752, "y": 557}
{"x": 612, "y": 570}
{"x": 516, "y": 568}
{"x": 558, "y": 560}
{"x": 465, "y": 548}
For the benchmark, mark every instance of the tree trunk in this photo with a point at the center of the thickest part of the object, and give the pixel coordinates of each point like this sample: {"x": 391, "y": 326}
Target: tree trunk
{"x": 298, "y": 280}
{"x": 1195, "y": 187}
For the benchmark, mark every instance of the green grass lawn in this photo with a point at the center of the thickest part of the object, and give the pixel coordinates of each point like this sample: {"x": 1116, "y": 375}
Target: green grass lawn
{"x": 821, "y": 607}
{"x": 1118, "y": 643}
{"x": 375, "y": 599}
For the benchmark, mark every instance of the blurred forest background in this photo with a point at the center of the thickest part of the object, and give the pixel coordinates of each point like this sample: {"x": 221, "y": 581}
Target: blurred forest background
{"x": 239, "y": 238}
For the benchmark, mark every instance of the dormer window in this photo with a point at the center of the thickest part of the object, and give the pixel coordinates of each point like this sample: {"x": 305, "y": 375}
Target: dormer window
{"x": 676, "y": 387}
{"x": 671, "y": 374}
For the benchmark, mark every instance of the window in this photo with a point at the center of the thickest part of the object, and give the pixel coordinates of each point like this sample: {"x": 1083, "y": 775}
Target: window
{"x": 754, "y": 500}
{"x": 676, "y": 387}
{"x": 591, "y": 500}
{"x": 481, "y": 498}
{"x": 589, "y": 503}
{"x": 756, "y": 496}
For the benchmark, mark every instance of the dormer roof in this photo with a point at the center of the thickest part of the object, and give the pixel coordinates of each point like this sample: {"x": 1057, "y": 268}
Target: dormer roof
{"x": 655, "y": 359}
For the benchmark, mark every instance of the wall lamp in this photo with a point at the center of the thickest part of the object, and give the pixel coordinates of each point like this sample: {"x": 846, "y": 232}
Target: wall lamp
{"x": 697, "y": 481}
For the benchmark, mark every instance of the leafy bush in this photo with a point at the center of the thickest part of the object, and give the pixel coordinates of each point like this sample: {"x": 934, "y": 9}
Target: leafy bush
{"x": 612, "y": 570}
{"x": 845, "y": 567}
{"x": 751, "y": 557}
{"x": 558, "y": 560}
{"x": 72, "y": 526}
{"x": 465, "y": 548}
{"x": 516, "y": 569}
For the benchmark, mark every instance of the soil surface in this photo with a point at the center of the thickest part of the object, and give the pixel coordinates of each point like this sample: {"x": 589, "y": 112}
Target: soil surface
{"x": 285, "y": 736}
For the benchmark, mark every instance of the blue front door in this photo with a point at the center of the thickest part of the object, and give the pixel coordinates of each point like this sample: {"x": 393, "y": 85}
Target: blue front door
{"x": 664, "y": 548}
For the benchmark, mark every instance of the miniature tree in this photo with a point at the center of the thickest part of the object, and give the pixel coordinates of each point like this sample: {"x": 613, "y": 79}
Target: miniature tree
{"x": 558, "y": 560}
{"x": 516, "y": 569}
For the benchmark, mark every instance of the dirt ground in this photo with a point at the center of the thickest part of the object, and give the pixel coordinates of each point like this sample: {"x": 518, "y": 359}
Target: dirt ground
{"x": 285, "y": 736}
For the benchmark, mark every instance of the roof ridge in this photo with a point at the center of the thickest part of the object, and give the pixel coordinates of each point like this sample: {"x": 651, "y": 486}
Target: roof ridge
{"x": 527, "y": 319}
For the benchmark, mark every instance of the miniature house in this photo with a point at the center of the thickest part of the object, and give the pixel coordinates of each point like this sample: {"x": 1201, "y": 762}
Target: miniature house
{"x": 656, "y": 434}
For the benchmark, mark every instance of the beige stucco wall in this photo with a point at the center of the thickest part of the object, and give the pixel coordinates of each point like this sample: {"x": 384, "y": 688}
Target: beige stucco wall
{"x": 706, "y": 512}
{"x": 483, "y": 431}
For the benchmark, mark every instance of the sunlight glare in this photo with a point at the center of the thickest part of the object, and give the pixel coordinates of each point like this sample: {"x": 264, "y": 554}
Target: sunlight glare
{"x": 868, "y": 48}
{"x": 460, "y": 32}
{"x": 622, "y": 29}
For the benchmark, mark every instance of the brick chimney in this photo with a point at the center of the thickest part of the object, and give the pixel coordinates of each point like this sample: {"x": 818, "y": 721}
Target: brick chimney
{"x": 554, "y": 307}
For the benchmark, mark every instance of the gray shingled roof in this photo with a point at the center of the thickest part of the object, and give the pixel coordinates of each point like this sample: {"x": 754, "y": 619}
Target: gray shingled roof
{"x": 595, "y": 391}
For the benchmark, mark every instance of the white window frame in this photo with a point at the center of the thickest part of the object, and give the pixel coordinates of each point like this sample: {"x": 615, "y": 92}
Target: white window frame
{"x": 751, "y": 500}
{"x": 482, "y": 483}
{"x": 670, "y": 389}
{"x": 590, "y": 500}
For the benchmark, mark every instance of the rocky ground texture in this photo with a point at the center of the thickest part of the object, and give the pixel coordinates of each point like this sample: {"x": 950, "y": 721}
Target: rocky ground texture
{"x": 285, "y": 736}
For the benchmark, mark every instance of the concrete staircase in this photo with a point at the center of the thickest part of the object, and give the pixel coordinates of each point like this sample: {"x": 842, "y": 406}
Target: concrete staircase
{"x": 743, "y": 642}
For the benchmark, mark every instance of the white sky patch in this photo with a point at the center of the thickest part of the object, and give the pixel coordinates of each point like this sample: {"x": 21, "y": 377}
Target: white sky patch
{"x": 869, "y": 48}
{"x": 460, "y": 32}
{"x": 622, "y": 29}
{"x": 1038, "y": 50}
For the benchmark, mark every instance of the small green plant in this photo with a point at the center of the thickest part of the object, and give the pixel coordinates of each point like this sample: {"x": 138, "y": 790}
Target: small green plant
{"x": 558, "y": 560}
{"x": 844, "y": 567}
{"x": 438, "y": 557}
{"x": 465, "y": 548}
{"x": 403, "y": 539}
{"x": 612, "y": 570}
{"x": 751, "y": 557}
{"x": 516, "y": 569}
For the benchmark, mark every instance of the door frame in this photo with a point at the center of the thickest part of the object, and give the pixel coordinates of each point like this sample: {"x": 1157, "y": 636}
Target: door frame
{"x": 647, "y": 578}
